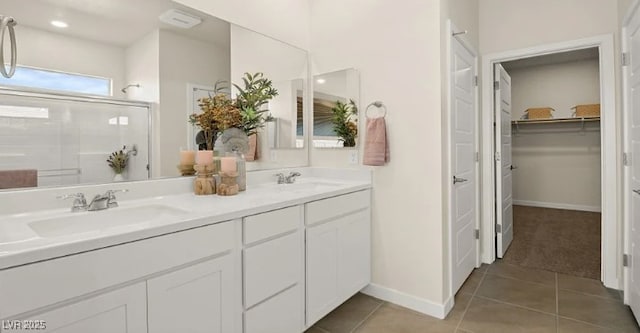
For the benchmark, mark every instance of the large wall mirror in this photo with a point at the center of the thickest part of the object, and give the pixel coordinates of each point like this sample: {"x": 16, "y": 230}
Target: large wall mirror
{"x": 336, "y": 98}
{"x": 105, "y": 80}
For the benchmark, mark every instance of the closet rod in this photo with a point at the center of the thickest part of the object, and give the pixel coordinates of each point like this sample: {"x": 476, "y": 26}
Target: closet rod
{"x": 554, "y": 121}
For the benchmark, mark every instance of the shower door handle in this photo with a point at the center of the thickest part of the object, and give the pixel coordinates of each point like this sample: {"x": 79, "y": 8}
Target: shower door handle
{"x": 459, "y": 180}
{"x": 636, "y": 191}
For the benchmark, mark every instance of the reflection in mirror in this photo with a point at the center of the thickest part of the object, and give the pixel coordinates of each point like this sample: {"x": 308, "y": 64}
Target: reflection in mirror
{"x": 87, "y": 87}
{"x": 335, "y": 109}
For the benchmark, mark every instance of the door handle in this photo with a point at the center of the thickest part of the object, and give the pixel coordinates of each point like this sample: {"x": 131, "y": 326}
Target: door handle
{"x": 458, "y": 180}
{"x": 513, "y": 167}
{"x": 636, "y": 191}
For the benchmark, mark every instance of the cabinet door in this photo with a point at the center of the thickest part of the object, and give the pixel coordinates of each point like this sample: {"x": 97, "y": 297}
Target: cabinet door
{"x": 199, "y": 298}
{"x": 322, "y": 270}
{"x": 354, "y": 238}
{"x": 120, "y": 311}
{"x": 338, "y": 262}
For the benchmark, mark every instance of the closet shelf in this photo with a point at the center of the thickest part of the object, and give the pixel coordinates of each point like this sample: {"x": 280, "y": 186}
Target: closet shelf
{"x": 554, "y": 121}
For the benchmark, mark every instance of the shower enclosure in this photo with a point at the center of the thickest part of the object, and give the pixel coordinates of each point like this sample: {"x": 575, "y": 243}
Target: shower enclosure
{"x": 67, "y": 139}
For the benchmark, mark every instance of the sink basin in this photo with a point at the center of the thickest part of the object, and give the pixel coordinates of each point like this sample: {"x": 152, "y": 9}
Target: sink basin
{"x": 73, "y": 223}
{"x": 300, "y": 186}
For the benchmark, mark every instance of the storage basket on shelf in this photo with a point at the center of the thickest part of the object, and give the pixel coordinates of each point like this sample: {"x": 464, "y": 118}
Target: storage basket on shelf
{"x": 539, "y": 113}
{"x": 586, "y": 110}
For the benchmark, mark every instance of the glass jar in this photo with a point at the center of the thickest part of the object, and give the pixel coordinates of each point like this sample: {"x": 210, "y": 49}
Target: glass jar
{"x": 241, "y": 164}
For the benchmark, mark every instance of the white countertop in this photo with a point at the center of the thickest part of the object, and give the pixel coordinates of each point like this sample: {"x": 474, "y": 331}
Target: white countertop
{"x": 20, "y": 245}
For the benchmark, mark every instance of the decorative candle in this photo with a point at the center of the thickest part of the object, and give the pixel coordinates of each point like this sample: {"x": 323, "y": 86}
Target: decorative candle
{"x": 205, "y": 157}
{"x": 187, "y": 157}
{"x": 228, "y": 164}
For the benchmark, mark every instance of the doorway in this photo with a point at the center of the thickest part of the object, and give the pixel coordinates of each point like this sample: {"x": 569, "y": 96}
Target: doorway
{"x": 609, "y": 253}
{"x": 548, "y": 164}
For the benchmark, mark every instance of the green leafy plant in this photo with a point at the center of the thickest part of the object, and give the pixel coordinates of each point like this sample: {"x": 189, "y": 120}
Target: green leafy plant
{"x": 118, "y": 160}
{"x": 251, "y": 100}
{"x": 344, "y": 121}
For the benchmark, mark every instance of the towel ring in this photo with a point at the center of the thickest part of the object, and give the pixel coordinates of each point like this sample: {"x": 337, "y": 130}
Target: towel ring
{"x": 379, "y": 105}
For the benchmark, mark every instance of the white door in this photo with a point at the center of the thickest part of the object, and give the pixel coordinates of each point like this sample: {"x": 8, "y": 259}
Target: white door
{"x": 120, "y": 311}
{"x": 195, "y": 299}
{"x": 463, "y": 163}
{"x": 504, "y": 199}
{"x": 632, "y": 178}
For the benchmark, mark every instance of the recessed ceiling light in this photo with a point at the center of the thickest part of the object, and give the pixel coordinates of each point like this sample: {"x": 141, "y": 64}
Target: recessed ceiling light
{"x": 59, "y": 24}
{"x": 321, "y": 81}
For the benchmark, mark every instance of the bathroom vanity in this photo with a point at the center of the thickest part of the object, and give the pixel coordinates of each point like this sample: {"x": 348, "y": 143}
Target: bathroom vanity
{"x": 275, "y": 258}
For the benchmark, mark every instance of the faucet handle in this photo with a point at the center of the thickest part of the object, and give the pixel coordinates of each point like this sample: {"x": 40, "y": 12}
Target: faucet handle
{"x": 111, "y": 198}
{"x": 79, "y": 202}
{"x": 280, "y": 176}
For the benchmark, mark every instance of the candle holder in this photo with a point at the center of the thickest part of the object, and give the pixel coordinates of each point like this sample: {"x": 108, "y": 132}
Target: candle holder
{"x": 205, "y": 183}
{"x": 186, "y": 169}
{"x": 228, "y": 183}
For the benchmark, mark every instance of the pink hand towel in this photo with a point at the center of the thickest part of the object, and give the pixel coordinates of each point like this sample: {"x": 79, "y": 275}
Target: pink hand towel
{"x": 376, "y": 146}
{"x": 18, "y": 178}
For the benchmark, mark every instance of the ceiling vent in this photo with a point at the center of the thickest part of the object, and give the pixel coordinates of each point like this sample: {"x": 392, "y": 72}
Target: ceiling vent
{"x": 180, "y": 19}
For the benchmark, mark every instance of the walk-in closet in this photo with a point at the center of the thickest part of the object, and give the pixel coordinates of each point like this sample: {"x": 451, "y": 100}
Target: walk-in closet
{"x": 555, "y": 170}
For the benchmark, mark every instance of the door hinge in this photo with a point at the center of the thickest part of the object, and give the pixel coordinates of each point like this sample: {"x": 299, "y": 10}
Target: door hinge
{"x": 626, "y": 159}
{"x": 626, "y": 260}
{"x": 625, "y": 59}
{"x": 497, "y": 156}
{"x": 499, "y": 228}
{"x": 477, "y": 233}
{"x": 477, "y": 156}
{"x": 475, "y": 81}
{"x": 496, "y": 85}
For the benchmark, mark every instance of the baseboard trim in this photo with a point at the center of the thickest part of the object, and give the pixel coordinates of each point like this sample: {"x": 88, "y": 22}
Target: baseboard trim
{"x": 557, "y": 205}
{"x": 414, "y": 303}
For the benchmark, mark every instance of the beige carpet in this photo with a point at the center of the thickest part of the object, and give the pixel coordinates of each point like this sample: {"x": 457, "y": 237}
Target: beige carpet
{"x": 557, "y": 240}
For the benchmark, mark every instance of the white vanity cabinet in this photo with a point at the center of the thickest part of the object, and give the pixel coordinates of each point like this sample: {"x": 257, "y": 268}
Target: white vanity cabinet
{"x": 338, "y": 251}
{"x": 273, "y": 254}
{"x": 186, "y": 281}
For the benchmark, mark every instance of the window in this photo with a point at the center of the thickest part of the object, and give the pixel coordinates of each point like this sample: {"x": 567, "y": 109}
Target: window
{"x": 45, "y": 79}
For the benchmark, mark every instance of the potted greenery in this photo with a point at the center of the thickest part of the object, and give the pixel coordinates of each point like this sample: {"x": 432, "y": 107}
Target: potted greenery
{"x": 252, "y": 98}
{"x": 118, "y": 161}
{"x": 344, "y": 121}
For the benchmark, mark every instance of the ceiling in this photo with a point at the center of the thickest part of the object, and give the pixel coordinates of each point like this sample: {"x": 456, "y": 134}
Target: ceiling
{"x": 555, "y": 58}
{"x": 116, "y": 22}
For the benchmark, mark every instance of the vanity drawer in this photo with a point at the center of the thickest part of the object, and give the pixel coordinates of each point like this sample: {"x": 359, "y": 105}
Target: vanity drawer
{"x": 282, "y": 313}
{"x": 328, "y": 209}
{"x": 272, "y": 267}
{"x": 270, "y": 224}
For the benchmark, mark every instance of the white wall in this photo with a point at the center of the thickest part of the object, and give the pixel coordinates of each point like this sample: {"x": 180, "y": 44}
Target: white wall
{"x": 399, "y": 63}
{"x": 47, "y": 50}
{"x": 286, "y": 20}
{"x": 515, "y": 24}
{"x": 182, "y": 61}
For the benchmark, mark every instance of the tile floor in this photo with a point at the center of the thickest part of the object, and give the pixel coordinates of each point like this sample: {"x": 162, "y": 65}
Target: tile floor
{"x": 494, "y": 299}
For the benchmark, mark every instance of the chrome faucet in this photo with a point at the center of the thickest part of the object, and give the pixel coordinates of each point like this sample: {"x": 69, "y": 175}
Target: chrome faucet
{"x": 79, "y": 202}
{"x": 291, "y": 178}
{"x": 104, "y": 201}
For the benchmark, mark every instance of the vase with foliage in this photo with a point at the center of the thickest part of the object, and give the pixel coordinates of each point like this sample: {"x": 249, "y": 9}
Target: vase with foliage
{"x": 118, "y": 161}
{"x": 219, "y": 112}
{"x": 344, "y": 120}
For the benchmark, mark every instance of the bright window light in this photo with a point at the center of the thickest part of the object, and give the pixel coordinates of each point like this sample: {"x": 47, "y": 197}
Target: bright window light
{"x": 14, "y": 111}
{"x": 50, "y": 80}
{"x": 59, "y": 24}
